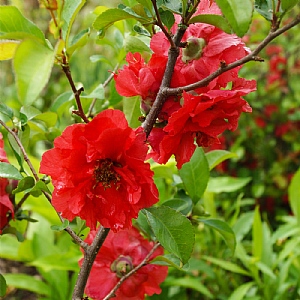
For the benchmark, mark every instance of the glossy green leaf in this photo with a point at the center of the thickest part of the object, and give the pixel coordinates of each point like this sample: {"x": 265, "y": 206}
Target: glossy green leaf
{"x": 224, "y": 229}
{"x": 9, "y": 171}
{"x": 226, "y": 184}
{"x": 238, "y": 13}
{"x": 78, "y": 41}
{"x": 30, "y": 111}
{"x": 173, "y": 230}
{"x": 3, "y": 286}
{"x": 241, "y": 291}
{"x": 13, "y": 25}
{"x": 110, "y": 16}
{"x": 294, "y": 195}
{"x": 171, "y": 5}
{"x": 190, "y": 283}
{"x": 68, "y": 14}
{"x": 226, "y": 265}
{"x": 182, "y": 205}
{"x": 257, "y": 235}
{"x": 5, "y": 110}
{"x": 195, "y": 175}
{"x": 167, "y": 18}
{"x": 134, "y": 44}
{"x": 32, "y": 66}
{"x": 288, "y": 4}
{"x": 131, "y": 109}
{"x": 215, "y": 157}
{"x": 28, "y": 282}
{"x": 214, "y": 20}
{"x": 265, "y": 8}
{"x": 25, "y": 184}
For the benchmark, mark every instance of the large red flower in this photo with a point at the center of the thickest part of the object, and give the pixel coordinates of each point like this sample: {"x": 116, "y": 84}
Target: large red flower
{"x": 120, "y": 253}
{"x": 6, "y": 207}
{"x": 99, "y": 172}
{"x": 202, "y": 118}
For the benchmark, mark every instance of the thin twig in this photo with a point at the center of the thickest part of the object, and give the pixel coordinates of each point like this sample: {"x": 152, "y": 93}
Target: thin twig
{"x": 90, "y": 254}
{"x": 143, "y": 263}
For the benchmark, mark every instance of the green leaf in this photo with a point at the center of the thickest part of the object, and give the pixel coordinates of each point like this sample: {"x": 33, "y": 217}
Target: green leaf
{"x": 171, "y": 5}
{"x": 78, "y": 41}
{"x": 49, "y": 118}
{"x": 190, "y": 283}
{"x": 24, "y": 185}
{"x": 241, "y": 291}
{"x": 226, "y": 265}
{"x": 288, "y": 4}
{"x": 30, "y": 111}
{"x": 257, "y": 235}
{"x": 32, "y": 66}
{"x": 168, "y": 260}
{"x": 214, "y": 20}
{"x": 61, "y": 227}
{"x": 69, "y": 12}
{"x": 131, "y": 109}
{"x": 9, "y": 171}
{"x": 13, "y": 25}
{"x": 215, "y": 157}
{"x": 8, "y": 49}
{"x": 5, "y": 110}
{"x": 264, "y": 8}
{"x": 97, "y": 93}
{"x": 294, "y": 197}
{"x": 238, "y": 14}
{"x": 134, "y": 44}
{"x": 182, "y": 205}
{"x": 39, "y": 187}
{"x": 110, "y": 16}
{"x": 147, "y": 4}
{"x": 224, "y": 229}
{"x": 226, "y": 184}
{"x": 167, "y": 18}
{"x": 3, "y": 286}
{"x": 60, "y": 100}
{"x": 173, "y": 230}
{"x": 28, "y": 282}
{"x": 195, "y": 175}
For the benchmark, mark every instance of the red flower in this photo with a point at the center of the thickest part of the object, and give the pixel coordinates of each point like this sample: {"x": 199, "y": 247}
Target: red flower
{"x": 6, "y": 207}
{"x": 120, "y": 253}
{"x": 99, "y": 172}
{"x": 201, "y": 118}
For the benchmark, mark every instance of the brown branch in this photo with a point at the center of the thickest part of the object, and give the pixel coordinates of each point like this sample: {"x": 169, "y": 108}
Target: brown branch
{"x": 90, "y": 254}
{"x": 142, "y": 263}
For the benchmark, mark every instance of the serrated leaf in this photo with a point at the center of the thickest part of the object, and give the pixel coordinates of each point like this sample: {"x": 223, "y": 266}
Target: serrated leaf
{"x": 13, "y": 25}
{"x": 224, "y": 229}
{"x": 288, "y": 4}
{"x": 25, "y": 184}
{"x": 131, "y": 109}
{"x": 110, "y": 16}
{"x": 238, "y": 13}
{"x": 195, "y": 175}
{"x": 294, "y": 195}
{"x": 28, "y": 282}
{"x": 265, "y": 8}
{"x": 8, "y": 49}
{"x": 173, "y": 230}
{"x": 215, "y": 157}
{"x": 69, "y": 12}
{"x": 226, "y": 184}
{"x": 9, "y": 171}
{"x": 3, "y": 286}
{"x": 134, "y": 44}
{"x": 214, "y": 20}
{"x": 32, "y": 67}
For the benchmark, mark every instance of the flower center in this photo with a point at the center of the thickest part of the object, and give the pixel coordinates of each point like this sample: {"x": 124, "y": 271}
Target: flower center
{"x": 122, "y": 265}
{"x": 105, "y": 173}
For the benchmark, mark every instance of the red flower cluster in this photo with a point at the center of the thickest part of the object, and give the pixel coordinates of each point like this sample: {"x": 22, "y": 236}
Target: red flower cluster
{"x": 119, "y": 254}
{"x": 99, "y": 172}
{"x": 6, "y": 207}
{"x": 200, "y": 116}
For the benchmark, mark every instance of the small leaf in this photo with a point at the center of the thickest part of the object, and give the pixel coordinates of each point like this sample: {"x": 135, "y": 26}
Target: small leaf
{"x": 60, "y": 100}
{"x": 49, "y": 118}
{"x": 214, "y": 20}
{"x": 9, "y": 171}
{"x": 238, "y": 13}
{"x": 168, "y": 260}
{"x": 171, "y": 5}
{"x": 97, "y": 93}
{"x": 215, "y": 157}
{"x": 167, "y": 18}
{"x": 39, "y": 187}
{"x": 265, "y": 8}
{"x": 32, "y": 66}
{"x": 226, "y": 184}
{"x": 224, "y": 229}
{"x": 173, "y": 230}
{"x": 134, "y": 44}
{"x": 182, "y": 205}
{"x": 288, "y": 4}
{"x": 195, "y": 175}
{"x": 131, "y": 109}
{"x": 146, "y": 4}
{"x": 3, "y": 286}
{"x": 13, "y": 25}
{"x": 294, "y": 195}
{"x": 5, "y": 110}
{"x": 24, "y": 185}
{"x": 61, "y": 227}
{"x": 78, "y": 41}
{"x": 8, "y": 49}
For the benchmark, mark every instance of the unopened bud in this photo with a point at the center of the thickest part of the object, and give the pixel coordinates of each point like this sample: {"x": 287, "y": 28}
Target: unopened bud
{"x": 193, "y": 49}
